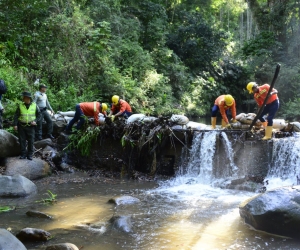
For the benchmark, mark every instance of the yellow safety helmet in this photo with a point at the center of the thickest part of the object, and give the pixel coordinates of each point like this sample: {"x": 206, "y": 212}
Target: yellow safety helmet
{"x": 250, "y": 85}
{"x": 228, "y": 100}
{"x": 104, "y": 106}
{"x": 115, "y": 99}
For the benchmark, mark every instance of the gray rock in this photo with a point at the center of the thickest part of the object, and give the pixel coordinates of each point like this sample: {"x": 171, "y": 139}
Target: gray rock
{"x": 62, "y": 246}
{"x": 9, "y": 144}
{"x": 122, "y": 223}
{"x": 124, "y": 200}
{"x": 49, "y": 152}
{"x": 33, "y": 234}
{"x": 38, "y": 214}
{"x": 32, "y": 170}
{"x": 43, "y": 143}
{"x": 276, "y": 211}
{"x": 16, "y": 186}
{"x": 8, "y": 241}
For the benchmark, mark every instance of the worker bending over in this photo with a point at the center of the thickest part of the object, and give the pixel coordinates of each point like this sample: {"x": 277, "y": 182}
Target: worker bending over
{"x": 119, "y": 108}
{"x": 223, "y": 103}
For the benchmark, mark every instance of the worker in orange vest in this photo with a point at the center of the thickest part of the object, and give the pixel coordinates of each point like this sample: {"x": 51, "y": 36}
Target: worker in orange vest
{"x": 87, "y": 109}
{"x": 272, "y": 105}
{"x": 119, "y": 108}
{"x": 223, "y": 103}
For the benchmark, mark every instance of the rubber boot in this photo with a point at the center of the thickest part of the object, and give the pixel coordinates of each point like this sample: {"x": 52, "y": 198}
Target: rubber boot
{"x": 223, "y": 124}
{"x": 268, "y": 133}
{"x": 213, "y": 122}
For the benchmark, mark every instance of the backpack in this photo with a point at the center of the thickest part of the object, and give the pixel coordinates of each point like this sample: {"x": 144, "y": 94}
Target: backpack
{"x": 3, "y": 88}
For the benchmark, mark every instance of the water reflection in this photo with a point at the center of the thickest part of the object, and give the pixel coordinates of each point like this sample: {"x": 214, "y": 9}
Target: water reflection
{"x": 187, "y": 216}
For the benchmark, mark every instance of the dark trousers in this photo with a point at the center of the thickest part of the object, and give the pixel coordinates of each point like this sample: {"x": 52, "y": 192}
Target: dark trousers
{"x": 125, "y": 113}
{"x": 39, "y": 128}
{"x": 26, "y": 133}
{"x": 271, "y": 110}
{"x": 215, "y": 110}
{"x": 79, "y": 115}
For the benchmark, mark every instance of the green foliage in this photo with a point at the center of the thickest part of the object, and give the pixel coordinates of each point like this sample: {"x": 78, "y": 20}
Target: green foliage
{"x": 6, "y": 208}
{"x": 50, "y": 200}
{"x": 83, "y": 140}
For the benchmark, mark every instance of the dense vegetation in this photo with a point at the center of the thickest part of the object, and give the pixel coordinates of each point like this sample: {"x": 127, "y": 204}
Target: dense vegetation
{"x": 163, "y": 56}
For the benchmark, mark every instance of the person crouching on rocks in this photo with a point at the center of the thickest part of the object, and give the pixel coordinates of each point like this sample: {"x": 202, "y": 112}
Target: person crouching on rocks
{"x": 119, "y": 108}
{"x": 25, "y": 119}
{"x": 86, "y": 109}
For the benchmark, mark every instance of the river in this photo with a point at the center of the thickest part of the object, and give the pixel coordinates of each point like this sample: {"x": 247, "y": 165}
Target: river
{"x": 186, "y": 212}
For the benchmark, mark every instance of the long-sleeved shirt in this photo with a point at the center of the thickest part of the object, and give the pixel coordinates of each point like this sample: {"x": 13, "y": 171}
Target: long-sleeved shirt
{"x": 220, "y": 102}
{"x": 41, "y": 100}
{"x": 18, "y": 113}
{"x": 92, "y": 109}
{"x": 262, "y": 94}
{"x": 121, "y": 107}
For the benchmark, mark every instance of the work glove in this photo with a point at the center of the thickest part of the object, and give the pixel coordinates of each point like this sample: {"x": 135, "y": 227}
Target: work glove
{"x": 234, "y": 121}
{"x": 228, "y": 126}
{"x": 112, "y": 118}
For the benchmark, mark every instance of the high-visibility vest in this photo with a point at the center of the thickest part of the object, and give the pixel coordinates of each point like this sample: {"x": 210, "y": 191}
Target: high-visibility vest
{"x": 27, "y": 115}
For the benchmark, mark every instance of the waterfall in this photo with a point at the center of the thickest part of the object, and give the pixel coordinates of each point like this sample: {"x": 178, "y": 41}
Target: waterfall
{"x": 285, "y": 164}
{"x": 200, "y": 165}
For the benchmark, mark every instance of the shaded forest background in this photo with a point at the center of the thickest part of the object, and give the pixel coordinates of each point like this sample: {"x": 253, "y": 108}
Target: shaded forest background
{"x": 163, "y": 56}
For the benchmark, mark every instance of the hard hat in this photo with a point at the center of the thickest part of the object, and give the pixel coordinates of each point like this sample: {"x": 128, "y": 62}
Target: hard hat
{"x": 104, "y": 106}
{"x": 228, "y": 100}
{"x": 115, "y": 99}
{"x": 250, "y": 85}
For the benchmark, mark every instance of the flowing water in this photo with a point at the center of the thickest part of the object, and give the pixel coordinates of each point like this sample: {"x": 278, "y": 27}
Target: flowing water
{"x": 187, "y": 212}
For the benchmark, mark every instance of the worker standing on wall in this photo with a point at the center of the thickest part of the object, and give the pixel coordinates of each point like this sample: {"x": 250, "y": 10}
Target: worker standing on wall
{"x": 223, "y": 103}
{"x": 272, "y": 105}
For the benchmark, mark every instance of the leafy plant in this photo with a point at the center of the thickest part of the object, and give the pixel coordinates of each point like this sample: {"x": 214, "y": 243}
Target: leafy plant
{"x": 50, "y": 200}
{"x": 83, "y": 140}
{"x": 6, "y": 208}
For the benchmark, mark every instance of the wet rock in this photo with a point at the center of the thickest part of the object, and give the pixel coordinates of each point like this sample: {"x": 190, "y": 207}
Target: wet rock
{"x": 9, "y": 144}
{"x": 49, "y": 152}
{"x": 16, "y": 186}
{"x": 276, "y": 211}
{"x": 124, "y": 200}
{"x": 32, "y": 170}
{"x": 33, "y": 234}
{"x": 8, "y": 241}
{"x": 122, "y": 223}
{"x": 98, "y": 227}
{"x": 66, "y": 167}
{"x": 37, "y": 214}
{"x": 43, "y": 143}
{"x": 62, "y": 246}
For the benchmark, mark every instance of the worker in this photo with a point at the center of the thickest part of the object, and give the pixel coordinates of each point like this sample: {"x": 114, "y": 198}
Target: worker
{"x": 223, "y": 103}
{"x": 40, "y": 98}
{"x": 272, "y": 105}
{"x": 86, "y": 109}
{"x": 119, "y": 108}
{"x": 25, "y": 121}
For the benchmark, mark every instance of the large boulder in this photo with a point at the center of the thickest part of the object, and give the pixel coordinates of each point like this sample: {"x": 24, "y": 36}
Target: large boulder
{"x": 32, "y": 170}
{"x": 16, "y": 186}
{"x": 8, "y": 241}
{"x": 9, "y": 144}
{"x": 276, "y": 211}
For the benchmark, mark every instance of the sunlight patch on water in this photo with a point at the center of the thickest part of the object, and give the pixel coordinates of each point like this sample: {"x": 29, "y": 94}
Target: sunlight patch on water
{"x": 78, "y": 211}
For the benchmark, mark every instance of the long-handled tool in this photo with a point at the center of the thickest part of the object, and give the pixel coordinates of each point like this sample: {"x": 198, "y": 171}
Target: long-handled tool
{"x": 267, "y": 97}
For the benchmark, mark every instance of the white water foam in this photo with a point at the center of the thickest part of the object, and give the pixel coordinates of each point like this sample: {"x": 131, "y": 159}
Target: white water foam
{"x": 285, "y": 164}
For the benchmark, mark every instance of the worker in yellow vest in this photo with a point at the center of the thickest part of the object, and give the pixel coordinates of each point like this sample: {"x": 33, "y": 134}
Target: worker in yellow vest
{"x": 25, "y": 121}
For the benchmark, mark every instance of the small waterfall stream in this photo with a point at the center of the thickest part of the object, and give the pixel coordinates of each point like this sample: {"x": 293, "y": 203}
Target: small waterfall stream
{"x": 285, "y": 165}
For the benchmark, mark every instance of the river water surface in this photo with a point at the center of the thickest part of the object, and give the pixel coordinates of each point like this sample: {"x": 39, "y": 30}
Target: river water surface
{"x": 186, "y": 212}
